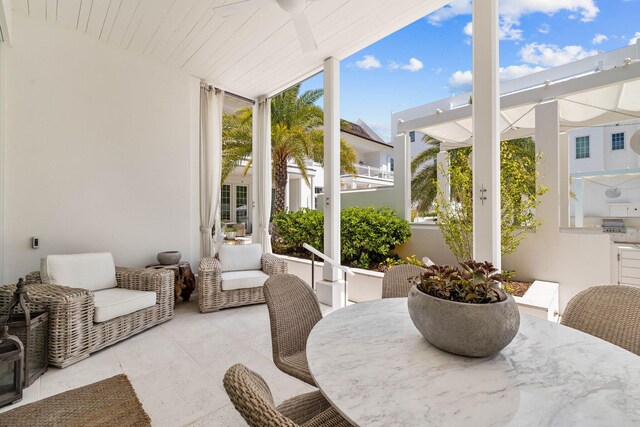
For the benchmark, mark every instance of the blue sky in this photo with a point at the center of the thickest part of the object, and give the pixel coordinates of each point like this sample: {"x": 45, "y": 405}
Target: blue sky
{"x": 431, "y": 58}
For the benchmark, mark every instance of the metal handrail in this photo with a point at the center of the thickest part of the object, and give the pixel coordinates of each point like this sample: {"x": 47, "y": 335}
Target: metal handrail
{"x": 327, "y": 259}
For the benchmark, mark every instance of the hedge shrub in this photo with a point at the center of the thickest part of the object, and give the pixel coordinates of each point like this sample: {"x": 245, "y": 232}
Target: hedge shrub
{"x": 369, "y": 235}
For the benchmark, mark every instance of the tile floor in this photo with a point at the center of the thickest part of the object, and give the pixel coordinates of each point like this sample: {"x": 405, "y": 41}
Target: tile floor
{"x": 176, "y": 368}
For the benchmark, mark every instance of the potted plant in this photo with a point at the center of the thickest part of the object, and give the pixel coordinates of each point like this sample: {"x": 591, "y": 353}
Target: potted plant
{"x": 463, "y": 310}
{"x": 230, "y": 232}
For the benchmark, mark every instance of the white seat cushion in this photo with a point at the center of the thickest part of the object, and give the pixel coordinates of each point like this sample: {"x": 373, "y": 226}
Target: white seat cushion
{"x": 241, "y": 257}
{"x": 116, "y": 302}
{"x": 243, "y": 279}
{"x": 87, "y": 271}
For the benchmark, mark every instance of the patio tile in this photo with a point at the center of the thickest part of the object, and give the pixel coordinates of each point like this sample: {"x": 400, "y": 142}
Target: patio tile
{"x": 177, "y": 368}
{"x": 177, "y": 396}
{"x": 99, "y": 366}
{"x": 226, "y": 416}
{"x": 145, "y": 353}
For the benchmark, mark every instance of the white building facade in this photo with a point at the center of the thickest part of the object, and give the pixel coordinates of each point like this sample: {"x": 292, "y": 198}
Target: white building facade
{"x": 605, "y": 173}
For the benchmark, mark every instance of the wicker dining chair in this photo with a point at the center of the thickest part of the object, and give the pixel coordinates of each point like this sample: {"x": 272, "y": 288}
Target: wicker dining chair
{"x": 397, "y": 283}
{"x": 293, "y": 311}
{"x": 252, "y": 398}
{"x": 610, "y": 312}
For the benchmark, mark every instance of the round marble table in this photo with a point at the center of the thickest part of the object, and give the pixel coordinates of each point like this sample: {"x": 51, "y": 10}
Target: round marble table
{"x": 374, "y": 366}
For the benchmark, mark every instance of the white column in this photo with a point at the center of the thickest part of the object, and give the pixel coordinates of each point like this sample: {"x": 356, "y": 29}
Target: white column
{"x": 331, "y": 166}
{"x": 442, "y": 163}
{"x": 547, "y": 138}
{"x": 312, "y": 200}
{"x": 406, "y": 185}
{"x": 486, "y": 133}
{"x": 579, "y": 204}
{"x": 565, "y": 190}
{"x": 402, "y": 175}
{"x": 256, "y": 235}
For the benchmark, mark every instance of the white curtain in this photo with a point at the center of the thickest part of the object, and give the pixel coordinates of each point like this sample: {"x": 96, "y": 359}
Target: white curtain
{"x": 211, "y": 103}
{"x": 262, "y": 169}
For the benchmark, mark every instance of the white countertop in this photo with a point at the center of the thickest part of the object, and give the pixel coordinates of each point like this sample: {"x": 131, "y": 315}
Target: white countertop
{"x": 377, "y": 370}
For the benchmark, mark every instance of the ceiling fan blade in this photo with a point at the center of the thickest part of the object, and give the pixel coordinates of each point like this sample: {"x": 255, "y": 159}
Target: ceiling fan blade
{"x": 239, "y": 7}
{"x": 303, "y": 28}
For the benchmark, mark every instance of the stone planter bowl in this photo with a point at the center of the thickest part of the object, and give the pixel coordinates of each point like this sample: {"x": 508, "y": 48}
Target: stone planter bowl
{"x": 169, "y": 257}
{"x": 230, "y": 235}
{"x": 474, "y": 330}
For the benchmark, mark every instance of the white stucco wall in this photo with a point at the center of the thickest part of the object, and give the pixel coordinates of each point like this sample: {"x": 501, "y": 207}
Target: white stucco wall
{"x": 99, "y": 151}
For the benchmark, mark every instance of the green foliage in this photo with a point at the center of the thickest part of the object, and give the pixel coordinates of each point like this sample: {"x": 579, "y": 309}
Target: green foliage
{"x": 293, "y": 229}
{"x": 424, "y": 175}
{"x": 519, "y": 196}
{"x": 368, "y": 235}
{"x": 474, "y": 283}
{"x": 296, "y": 137}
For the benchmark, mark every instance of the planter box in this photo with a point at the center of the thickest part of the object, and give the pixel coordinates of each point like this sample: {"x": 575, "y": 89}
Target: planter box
{"x": 540, "y": 300}
{"x": 364, "y": 286}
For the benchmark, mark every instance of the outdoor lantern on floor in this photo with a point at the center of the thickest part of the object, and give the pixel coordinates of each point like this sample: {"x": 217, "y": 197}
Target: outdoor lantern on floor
{"x": 11, "y": 368}
{"x": 29, "y": 322}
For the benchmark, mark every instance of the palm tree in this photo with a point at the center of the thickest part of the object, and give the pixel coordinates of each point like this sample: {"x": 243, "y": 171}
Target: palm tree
{"x": 296, "y": 136}
{"x": 424, "y": 175}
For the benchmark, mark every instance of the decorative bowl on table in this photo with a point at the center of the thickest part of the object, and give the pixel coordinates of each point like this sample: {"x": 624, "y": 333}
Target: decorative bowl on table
{"x": 482, "y": 326}
{"x": 169, "y": 257}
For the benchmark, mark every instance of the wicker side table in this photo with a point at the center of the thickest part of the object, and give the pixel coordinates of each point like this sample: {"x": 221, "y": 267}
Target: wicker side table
{"x": 185, "y": 281}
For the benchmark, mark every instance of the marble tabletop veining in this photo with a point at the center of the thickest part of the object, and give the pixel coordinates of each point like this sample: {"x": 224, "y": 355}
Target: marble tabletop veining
{"x": 377, "y": 370}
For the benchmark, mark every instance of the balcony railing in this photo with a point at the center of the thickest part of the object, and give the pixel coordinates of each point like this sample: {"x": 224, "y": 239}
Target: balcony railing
{"x": 374, "y": 172}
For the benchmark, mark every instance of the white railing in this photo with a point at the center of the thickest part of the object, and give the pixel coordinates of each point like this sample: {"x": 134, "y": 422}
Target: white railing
{"x": 374, "y": 172}
{"x": 316, "y": 253}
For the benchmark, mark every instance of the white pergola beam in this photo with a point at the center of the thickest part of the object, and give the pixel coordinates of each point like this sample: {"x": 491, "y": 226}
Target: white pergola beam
{"x": 547, "y": 139}
{"x": 565, "y": 185}
{"x": 486, "y": 133}
{"x": 556, "y": 90}
{"x": 331, "y": 167}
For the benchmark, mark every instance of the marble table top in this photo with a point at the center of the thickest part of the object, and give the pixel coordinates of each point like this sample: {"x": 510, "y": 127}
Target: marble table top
{"x": 377, "y": 370}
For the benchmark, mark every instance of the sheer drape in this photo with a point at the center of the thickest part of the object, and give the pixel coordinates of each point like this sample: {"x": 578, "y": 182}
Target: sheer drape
{"x": 211, "y": 103}
{"x": 262, "y": 170}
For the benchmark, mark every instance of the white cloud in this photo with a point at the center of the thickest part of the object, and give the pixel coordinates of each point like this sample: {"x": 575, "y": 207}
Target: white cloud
{"x": 462, "y": 79}
{"x": 550, "y": 55}
{"x": 413, "y": 65}
{"x": 544, "y": 29}
{"x": 508, "y": 29}
{"x": 587, "y": 9}
{"x": 368, "y": 62}
{"x": 599, "y": 38}
{"x": 512, "y": 10}
{"x": 468, "y": 29}
{"x": 635, "y": 38}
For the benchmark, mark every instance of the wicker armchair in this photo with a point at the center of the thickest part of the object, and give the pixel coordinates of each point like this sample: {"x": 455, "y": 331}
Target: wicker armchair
{"x": 293, "y": 312}
{"x": 212, "y": 296}
{"x": 396, "y": 282}
{"x": 73, "y": 334}
{"x": 252, "y": 398}
{"x": 610, "y": 312}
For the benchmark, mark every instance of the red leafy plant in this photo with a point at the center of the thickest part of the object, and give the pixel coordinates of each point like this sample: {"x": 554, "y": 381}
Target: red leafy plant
{"x": 474, "y": 282}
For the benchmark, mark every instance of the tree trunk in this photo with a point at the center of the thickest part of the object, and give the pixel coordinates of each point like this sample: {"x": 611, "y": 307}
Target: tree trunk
{"x": 279, "y": 200}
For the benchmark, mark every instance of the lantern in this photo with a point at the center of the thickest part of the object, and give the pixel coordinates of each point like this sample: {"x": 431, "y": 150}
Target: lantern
{"x": 28, "y": 322}
{"x": 11, "y": 368}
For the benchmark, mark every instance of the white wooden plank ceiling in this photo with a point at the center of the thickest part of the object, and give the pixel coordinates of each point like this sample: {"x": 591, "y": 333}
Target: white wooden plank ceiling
{"x": 252, "y": 53}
